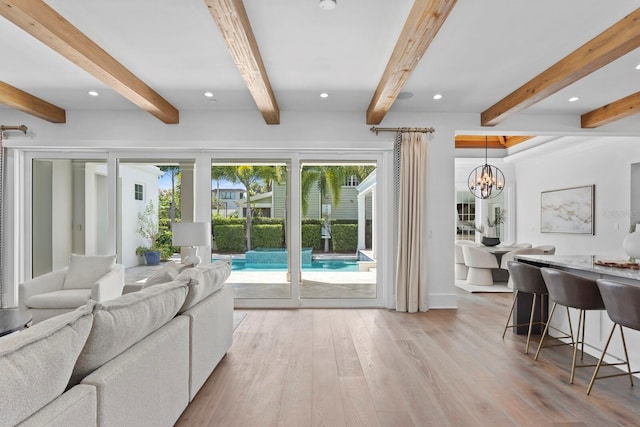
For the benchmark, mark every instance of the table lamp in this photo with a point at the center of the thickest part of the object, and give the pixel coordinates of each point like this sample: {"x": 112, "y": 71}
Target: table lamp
{"x": 191, "y": 235}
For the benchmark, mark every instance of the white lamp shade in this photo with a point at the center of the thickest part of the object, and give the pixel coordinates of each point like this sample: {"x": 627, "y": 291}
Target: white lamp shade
{"x": 191, "y": 234}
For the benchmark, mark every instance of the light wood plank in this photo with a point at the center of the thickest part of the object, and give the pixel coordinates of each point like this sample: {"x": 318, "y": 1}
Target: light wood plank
{"x": 624, "y": 107}
{"x": 327, "y": 409}
{"x": 358, "y": 406}
{"x": 27, "y": 103}
{"x": 449, "y": 367}
{"x": 231, "y": 18}
{"x": 616, "y": 41}
{"x": 45, "y": 24}
{"x": 499, "y": 141}
{"x": 420, "y": 29}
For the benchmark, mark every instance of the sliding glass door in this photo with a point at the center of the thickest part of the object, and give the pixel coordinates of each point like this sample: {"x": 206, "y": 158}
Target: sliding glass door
{"x": 249, "y": 223}
{"x": 337, "y": 250}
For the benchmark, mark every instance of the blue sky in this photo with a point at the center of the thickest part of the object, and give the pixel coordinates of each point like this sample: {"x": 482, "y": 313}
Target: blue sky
{"x": 165, "y": 183}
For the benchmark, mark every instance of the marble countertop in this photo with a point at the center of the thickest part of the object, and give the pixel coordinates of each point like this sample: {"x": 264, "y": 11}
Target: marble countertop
{"x": 584, "y": 263}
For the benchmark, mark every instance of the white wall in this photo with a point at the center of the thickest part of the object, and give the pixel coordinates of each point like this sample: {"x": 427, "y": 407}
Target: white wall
{"x": 131, "y": 174}
{"x": 605, "y": 162}
{"x": 61, "y": 213}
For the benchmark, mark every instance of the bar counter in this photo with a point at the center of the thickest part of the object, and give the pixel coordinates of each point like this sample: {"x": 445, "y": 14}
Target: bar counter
{"x": 597, "y": 323}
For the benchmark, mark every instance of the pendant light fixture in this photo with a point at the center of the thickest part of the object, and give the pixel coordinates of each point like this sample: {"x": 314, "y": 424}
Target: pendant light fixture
{"x": 486, "y": 181}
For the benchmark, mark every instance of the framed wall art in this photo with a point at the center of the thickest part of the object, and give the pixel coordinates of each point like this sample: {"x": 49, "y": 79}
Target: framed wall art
{"x": 568, "y": 210}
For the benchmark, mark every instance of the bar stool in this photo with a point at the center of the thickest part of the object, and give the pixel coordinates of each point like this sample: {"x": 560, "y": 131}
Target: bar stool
{"x": 572, "y": 291}
{"x": 622, "y": 302}
{"x": 526, "y": 279}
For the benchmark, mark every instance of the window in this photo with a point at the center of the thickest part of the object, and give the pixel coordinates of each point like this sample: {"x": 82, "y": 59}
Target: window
{"x": 227, "y": 195}
{"x": 138, "y": 192}
{"x": 352, "y": 181}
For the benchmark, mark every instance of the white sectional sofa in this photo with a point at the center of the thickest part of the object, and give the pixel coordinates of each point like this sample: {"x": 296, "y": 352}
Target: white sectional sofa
{"x": 136, "y": 360}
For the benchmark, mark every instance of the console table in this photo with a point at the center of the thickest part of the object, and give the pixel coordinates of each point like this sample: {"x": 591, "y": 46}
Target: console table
{"x": 12, "y": 320}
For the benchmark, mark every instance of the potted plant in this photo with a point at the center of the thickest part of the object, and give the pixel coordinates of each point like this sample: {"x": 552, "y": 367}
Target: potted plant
{"x": 148, "y": 229}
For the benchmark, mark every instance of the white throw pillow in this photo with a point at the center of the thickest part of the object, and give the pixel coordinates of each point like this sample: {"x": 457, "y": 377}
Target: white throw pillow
{"x": 120, "y": 323}
{"x": 168, "y": 272}
{"x": 85, "y": 270}
{"x": 203, "y": 281}
{"x": 36, "y": 363}
{"x": 157, "y": 278}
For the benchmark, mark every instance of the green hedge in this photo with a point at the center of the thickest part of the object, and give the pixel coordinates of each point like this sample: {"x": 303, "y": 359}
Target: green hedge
{"x": 344, "y": 237}
{"x": 312, "y": 236}
{"x": 267, "y": 236}
{"x": 266, "y": 220}
{"x": 230, "y": 238}
{"x": 220, "y": 220}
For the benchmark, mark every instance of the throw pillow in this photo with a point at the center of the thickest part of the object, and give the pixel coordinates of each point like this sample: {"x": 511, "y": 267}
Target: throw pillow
{"x": 85, "y": 270}
{"x": 36, "y": 363}
{"x": 168, "y": 272}
{"x": 204, "y": 280}
{"x": 157, "y": 278}
{"x": 120, "y": 323}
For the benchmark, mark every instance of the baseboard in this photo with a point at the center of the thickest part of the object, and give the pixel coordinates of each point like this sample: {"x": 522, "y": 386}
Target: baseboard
{"x": 442, "y": 301}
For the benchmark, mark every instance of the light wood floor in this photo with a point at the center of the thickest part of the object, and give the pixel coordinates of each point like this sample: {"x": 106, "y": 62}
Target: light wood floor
{"x": 367, "y": 367}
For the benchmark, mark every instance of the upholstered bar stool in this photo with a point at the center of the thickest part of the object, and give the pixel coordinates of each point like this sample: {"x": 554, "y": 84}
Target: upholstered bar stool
{"x": 572, "y": 291}
{"x": 526, "y": 279}
{"x": 622, "y": 302}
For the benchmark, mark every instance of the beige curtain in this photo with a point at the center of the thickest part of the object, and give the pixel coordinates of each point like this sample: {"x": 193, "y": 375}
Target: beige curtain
{"x": 411, "y": 275}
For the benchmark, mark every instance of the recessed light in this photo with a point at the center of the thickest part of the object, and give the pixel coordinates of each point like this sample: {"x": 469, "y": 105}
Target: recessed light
{"x": 324, "y": 95}
{"x": 93, "y": 93}
{"x": 638, "y": 67}
{"x": 327, "y": 4}
{"x": 405, "y": 95}
{"x": 208, "y": 94}
{"x": 437, "y": 96}
{"x": 573, "y": 99}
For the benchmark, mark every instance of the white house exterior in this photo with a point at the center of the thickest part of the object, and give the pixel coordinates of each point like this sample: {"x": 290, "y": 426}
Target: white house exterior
{"x": 70, "y": 212}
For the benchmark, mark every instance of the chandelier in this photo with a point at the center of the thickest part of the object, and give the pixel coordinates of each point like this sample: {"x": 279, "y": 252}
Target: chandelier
{"x": 486, "y": 181}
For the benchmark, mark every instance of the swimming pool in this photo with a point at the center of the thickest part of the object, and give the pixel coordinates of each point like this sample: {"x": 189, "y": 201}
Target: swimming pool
{"x": 316, "y": 265}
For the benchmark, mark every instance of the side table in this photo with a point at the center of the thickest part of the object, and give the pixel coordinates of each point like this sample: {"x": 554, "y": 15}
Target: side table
{"x": 12, "y": 320}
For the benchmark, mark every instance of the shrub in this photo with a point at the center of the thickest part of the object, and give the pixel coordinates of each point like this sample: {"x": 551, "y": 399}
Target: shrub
{"x": 266, "y": 220}
{"x": 344, "y": 237}
{"x": 230, "y": 238}
{"x": 267, "y": 236}
{"x": 312, "y": 236}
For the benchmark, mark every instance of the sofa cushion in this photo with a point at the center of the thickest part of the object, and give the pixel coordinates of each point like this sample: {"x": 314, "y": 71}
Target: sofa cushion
{"x": 36, "y": 363}
{"x": 65, "y": 298}
{"x": 168, "y": 272}
{"x": 85, "y": 270}
{"x": 204, "y": 280}
{"x": 121, "y": 322}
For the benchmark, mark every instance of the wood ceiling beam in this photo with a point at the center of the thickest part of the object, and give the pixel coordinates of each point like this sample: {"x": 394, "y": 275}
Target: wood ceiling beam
{"x": 45, "y": 24}
{"x": 616, "y": 41}
{"x": 423, "y": 23}
{"x": 499, "y": 141}
{"x": 231, "y": 18}
{"x": 27, "y": 103}
{"x": 625, "y": 107}
{"x": 515, "y": 140}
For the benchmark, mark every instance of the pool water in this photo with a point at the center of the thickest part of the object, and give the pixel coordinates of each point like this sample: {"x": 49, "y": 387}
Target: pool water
{"x": 317, "y": 265}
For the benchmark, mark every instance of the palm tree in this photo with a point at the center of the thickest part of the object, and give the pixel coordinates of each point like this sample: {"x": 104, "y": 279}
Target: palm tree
{"x": 248, "y": 175}
{"x": 218, "y": 173}
{"x": 329, "y": 180}
{"x": 174, "y": 171}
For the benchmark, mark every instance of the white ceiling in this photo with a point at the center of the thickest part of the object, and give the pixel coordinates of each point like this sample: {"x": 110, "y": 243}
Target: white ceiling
{"x": 485, "y": 50}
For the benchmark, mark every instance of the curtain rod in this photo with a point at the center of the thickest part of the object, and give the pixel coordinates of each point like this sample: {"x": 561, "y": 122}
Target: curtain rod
{"x": 21, "y": 128}
{"x": 423, "y": 130}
